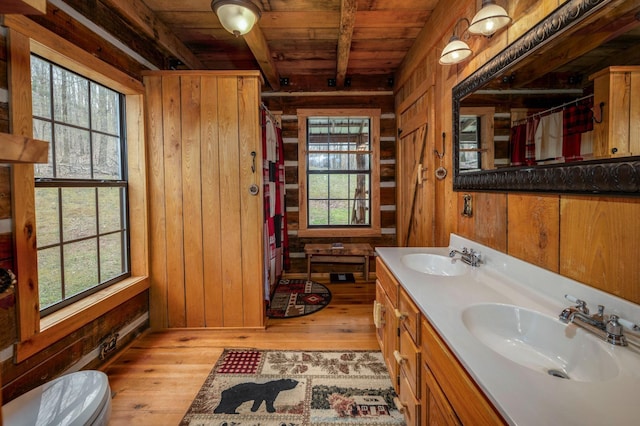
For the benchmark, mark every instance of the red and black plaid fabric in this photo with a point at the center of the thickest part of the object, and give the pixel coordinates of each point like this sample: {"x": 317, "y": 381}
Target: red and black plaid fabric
{"x": 577, "y": 119}
{"x": 240, "y": 362}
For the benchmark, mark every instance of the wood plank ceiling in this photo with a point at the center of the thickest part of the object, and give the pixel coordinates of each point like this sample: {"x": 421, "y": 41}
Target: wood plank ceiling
{"x": 311, "y": 44}
{"x": 307, "y": 42}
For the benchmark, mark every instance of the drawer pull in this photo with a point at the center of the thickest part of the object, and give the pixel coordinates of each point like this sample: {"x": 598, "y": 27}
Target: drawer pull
{"x": 400, "y": 315}
{"x": 399, "y": 358}
{"x": 378, "y": 314}
{"x": 399, "y": 406}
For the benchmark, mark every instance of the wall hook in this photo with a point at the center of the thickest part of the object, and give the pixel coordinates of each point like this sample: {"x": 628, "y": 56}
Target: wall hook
{"x": 601, "y": 114}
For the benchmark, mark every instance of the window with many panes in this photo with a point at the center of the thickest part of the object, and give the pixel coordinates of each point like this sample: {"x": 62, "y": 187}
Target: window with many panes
{"x": 339, "y": 170}
{"x": 80, "y": 195}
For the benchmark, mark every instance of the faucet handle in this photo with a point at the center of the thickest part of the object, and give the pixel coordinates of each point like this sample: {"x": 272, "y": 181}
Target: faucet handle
{"x": 628, "y": 324}
{"x": 581, "y": 305}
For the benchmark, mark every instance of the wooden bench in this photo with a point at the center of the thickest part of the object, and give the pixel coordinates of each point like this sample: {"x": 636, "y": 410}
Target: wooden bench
{"x": 348, "y": 253}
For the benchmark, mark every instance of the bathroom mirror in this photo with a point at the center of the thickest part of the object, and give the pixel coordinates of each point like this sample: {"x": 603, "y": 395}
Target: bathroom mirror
{"x": 568, "y": 63}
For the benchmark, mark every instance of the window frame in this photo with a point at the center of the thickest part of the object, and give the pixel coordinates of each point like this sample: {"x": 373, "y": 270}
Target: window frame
{"x": 35, "y": 333}
{"x": 60, "y": 183}
{"x": 373, "y": 229}
{"x": 486, "y": 146}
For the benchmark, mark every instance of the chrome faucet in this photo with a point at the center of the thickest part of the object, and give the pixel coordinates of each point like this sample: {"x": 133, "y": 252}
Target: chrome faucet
{"x": 468, "y": 256}
{"x": 607, "y": 327}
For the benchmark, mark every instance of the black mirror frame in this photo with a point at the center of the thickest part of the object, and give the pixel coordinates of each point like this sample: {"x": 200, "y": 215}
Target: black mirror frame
{"x": 615, "y": 176}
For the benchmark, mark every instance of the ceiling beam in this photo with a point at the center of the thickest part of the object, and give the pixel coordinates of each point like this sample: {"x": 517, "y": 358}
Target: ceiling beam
{"x": 347, "y": 22}
{"x": 258, "y": 45}
{"x": 144, "y": 18}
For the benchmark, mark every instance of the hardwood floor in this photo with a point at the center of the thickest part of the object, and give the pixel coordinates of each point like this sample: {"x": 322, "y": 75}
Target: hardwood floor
{"x": 155, "y": 379}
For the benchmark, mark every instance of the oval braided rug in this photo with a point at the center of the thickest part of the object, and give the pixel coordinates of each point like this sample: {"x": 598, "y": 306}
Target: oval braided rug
{"x": 296, "y": 298}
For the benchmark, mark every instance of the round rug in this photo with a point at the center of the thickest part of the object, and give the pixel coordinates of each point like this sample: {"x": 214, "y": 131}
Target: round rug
{"x": 296, "y": 298}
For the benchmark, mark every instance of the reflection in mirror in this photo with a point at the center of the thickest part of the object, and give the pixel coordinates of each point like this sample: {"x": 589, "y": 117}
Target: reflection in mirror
{"x": 470, "y": 145}
{"x": 565, "y": 94}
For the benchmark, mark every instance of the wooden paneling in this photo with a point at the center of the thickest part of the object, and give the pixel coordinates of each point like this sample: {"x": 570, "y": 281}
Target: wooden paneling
{"x": 206, "y": 239}
{"x": 213, "y": 233}
{"x": 251, "y": 219}
{"x": 157, "y": 230}
{"x": 488, "y": 224}
{"x": 172, "y": 163}
{"x": 534, "y": 229}
{"x": 192, "y": 199}
{"x": 600, "y": 243}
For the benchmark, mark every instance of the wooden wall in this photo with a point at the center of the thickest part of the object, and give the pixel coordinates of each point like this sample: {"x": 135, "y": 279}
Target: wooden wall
{"x": 592, "y": 239}
{"x": 206, "y": 228}
{"x": 287, "y": 105}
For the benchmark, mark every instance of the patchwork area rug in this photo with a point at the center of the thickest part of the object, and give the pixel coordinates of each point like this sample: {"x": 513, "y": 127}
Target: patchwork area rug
{"x": 295, "y": 388}
{"x": 295, "y": 298}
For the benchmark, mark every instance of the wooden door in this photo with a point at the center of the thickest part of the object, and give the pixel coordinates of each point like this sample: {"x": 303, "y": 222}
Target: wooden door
{"x": 206, "y": 248}
{"x": 415, "y": 175}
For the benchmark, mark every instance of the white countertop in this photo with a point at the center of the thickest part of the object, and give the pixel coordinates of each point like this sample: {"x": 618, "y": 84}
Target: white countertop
{"x": 523, "y": 396}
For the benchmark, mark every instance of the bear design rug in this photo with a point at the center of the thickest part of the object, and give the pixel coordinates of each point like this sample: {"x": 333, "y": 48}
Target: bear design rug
{"x": 295, "y": 388}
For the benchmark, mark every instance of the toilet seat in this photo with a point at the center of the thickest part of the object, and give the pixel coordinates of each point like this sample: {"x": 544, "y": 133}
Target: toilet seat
{"x": 80, "y": 398}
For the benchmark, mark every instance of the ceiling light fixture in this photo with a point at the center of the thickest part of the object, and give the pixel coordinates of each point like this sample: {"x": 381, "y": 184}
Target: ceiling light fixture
{"x": 236, "y": 16}
{"x": 456, "y": 50}
{"x": 489, "y": 19}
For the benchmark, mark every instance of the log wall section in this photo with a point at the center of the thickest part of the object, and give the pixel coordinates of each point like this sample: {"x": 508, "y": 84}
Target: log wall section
{"x": 286, "y": 106}
{"x": 592, "y": 239}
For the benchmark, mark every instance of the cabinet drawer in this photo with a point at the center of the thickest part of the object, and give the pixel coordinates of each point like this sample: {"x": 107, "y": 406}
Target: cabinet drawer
{"x": 410, "y": 316}
{"x": 468, "y": 401}
{"x": 387, "y": 281}
{"x": 408, "y": 404}
{"x": 408, "y": 358}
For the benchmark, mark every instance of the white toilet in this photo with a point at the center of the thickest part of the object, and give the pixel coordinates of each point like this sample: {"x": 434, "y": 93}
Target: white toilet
{"x": 80, "y": 398}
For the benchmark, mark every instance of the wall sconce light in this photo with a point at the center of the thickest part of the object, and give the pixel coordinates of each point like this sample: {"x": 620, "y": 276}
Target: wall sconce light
{"x": 236, "y": 16}
{"x": 456, "y": 50}
{"x": 489, "y": 19}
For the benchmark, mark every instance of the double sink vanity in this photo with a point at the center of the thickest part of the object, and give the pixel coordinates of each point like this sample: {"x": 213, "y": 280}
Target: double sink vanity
{"x": 485, "y": 344}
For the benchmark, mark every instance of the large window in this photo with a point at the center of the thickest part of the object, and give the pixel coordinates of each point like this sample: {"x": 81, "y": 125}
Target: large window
{"x": 80, "y": 195}
{"x": 339, "y": 171}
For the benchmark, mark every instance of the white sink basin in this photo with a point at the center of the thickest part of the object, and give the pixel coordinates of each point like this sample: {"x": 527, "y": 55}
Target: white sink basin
{"x": 540, "y": 342}
{"x": 434, "y": 264}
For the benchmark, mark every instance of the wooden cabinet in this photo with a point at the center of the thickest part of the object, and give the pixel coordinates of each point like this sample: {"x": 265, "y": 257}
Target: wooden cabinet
{"x": 432, "y": 386}
{"x": 397, "y": 321}
{"x": 470, "y": 405}
{"x": 385, "y": 319}
{"x": 206, "y": 227}
{"x": 436, "y": 409}
{"x": 617, "y": 130}
{"x": 408, "y": 357}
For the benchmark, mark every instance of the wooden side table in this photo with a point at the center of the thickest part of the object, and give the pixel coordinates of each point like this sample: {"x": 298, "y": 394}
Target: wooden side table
{"x": 349, "y": 253}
